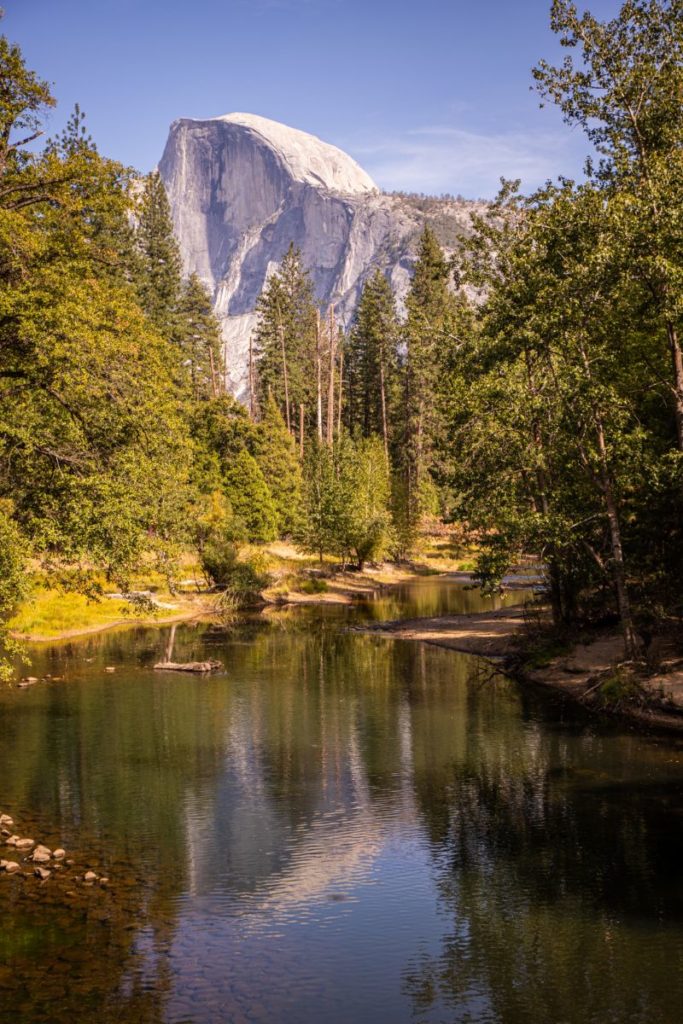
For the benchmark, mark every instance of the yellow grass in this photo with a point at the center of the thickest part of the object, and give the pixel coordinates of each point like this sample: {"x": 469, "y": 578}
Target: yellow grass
{"x": 52, "y": 612}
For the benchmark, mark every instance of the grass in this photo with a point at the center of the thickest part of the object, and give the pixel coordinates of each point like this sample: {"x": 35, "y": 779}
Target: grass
{"x": 51, "y": 612}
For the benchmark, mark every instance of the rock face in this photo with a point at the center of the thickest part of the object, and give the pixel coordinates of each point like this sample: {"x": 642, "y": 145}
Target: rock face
{"x": 242, "y": 188}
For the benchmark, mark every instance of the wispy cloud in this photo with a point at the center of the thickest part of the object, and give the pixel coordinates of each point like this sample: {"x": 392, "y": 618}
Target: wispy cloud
{"x": 440, "y": 158}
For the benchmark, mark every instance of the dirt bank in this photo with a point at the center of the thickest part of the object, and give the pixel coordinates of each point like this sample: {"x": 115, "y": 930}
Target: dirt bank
{"x": 578, "y": 674}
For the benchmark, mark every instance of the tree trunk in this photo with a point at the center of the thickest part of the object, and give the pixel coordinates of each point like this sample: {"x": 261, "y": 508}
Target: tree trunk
{"x": 677, "y": 361}
{"x": 618, "y": 567}
{"x": 341, "y": 391}
{"x": 301, "y": 430}
{"x": 383, "y": 398}
{"x": 318, "y": 381}
{"x": 330, "y": 387}
{"x": 284, "y": 375}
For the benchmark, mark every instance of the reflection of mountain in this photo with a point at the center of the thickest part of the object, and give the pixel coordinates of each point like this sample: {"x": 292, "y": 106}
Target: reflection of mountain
{"x": 293, "y": 814}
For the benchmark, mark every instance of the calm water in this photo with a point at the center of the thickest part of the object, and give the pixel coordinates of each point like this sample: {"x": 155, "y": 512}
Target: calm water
{"x": 341, "y": 828}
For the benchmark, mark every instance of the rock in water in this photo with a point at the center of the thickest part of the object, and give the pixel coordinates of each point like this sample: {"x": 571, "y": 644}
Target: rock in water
{"x": 41, "y": 855}
{"x": 242, "y": 187}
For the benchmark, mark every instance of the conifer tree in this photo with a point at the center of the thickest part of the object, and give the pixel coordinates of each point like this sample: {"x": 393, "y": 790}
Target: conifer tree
{"x": 427, "y": 334}
{"x": 275, "y": 452}
{"x": 285, "y": 340}
{"x": 372, "y": 361}
{"x": 250, "y": 498}
{"x": 200, "y": 340}
{"x": 157, "y": 273}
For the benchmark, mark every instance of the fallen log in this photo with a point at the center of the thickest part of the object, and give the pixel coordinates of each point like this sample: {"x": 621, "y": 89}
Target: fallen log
{"x": 189, "y": 666}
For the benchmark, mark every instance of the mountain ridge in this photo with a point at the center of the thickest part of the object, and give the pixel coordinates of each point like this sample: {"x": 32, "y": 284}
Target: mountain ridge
{"x": 242, "y": 188}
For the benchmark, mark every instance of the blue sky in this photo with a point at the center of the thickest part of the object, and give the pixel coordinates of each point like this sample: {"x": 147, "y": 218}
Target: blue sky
{"x": 428, "y": 95}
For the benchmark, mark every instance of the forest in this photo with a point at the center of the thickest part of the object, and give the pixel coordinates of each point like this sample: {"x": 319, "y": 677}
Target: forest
{"x": 530, "y": 389}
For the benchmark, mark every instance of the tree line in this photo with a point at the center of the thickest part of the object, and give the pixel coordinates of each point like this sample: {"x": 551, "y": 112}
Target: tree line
{"x": 531, "y": 387}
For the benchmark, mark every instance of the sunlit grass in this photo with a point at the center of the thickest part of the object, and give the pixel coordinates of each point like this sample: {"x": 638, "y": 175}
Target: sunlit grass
{"x": 50, "y": 613}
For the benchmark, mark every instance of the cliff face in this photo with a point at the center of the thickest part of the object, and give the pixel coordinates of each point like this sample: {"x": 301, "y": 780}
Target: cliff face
{"x": 242, "y": 188}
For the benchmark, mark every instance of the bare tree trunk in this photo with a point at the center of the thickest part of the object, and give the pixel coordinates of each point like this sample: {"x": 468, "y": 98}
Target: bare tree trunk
{"x": 385, "y": 433}
{"x": 214, "y": 389}
{"x": 341, "y": 391}
{"x": 170, "y": 644}
{"x": 332, "y": 335}
{"x": 284, "y": 374}
{"x": 251, "y": 377}
{"x": 318, "y": 379}
{"x": 301, "y": 430}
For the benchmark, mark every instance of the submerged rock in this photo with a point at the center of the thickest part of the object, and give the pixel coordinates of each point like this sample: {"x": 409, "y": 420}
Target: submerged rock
{"x": 42, "y": 873}
{"x": 41, "y": 855}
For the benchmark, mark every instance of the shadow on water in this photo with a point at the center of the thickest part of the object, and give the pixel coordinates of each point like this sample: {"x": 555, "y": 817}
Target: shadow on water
{"x": 337, "y": 827}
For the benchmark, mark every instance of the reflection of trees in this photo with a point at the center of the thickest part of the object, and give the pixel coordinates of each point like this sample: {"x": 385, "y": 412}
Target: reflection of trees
{"x": 276, "y": 785}
{"x": 557, "y": 864}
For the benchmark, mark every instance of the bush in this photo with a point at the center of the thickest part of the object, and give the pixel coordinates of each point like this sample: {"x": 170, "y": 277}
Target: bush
{"x": 242, "y": 579}
{"x": 314, "y": 586}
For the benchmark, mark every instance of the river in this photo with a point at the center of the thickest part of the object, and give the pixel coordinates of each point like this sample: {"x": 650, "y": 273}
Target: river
{"x": 339, "y": 827}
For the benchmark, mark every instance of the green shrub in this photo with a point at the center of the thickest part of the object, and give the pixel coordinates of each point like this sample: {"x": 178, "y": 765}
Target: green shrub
{"x": 314, "y": 586}
{"x": 243, "y": 579}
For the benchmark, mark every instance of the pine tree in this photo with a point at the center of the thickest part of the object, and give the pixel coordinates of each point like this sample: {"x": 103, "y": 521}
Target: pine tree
{"x": 157, "y": 273}
{"x": 250, "y": 498}
{"x": 372, "y": 362}
{"x": 275, "y": 452}
{"x": 427, "y": 336}
{"x": 200, "y": 340}
{"x": 285, "y": 340}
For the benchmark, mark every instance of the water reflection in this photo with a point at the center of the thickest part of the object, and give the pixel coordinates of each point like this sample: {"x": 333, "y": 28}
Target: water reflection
{"x": 338, "y": 827}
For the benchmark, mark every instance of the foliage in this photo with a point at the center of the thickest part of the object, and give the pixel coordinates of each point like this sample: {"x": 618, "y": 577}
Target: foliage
{"x": 250, "y": 498}
{"x": 346, "y": 500}
{"x": 274, "y": 450}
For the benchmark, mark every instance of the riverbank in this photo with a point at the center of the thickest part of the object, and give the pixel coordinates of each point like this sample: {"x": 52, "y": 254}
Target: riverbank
{"x": 295, "y": 578}
{"x": 590, "y": 673}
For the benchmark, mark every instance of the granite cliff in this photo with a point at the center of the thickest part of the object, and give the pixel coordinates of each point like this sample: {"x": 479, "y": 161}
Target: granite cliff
{"x": 242, "y": 187}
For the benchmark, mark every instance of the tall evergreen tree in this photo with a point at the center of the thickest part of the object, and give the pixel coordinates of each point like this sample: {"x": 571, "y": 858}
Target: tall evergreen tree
{"x": 372, "y": 362}
{"x": 428, "y": 335}
{"x": 200, "y": 340}
{"x": 275, "y": 452}
{"x": 250, "y": 498}
{"x": 285, "y": 340}
{"x": 157, "y": 273}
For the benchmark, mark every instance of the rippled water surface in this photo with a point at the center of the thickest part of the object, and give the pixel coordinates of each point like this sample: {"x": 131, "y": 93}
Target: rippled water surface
{"x": 340, "y": 828}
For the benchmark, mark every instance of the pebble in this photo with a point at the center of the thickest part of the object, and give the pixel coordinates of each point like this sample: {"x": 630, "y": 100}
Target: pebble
{"x": 90, "y": 876}
{"x": 11, "y": 866}
{"x": 59, "y": 854}
{"x": 6, "y": 820}
{"x": 11, "y": 841}
{"x": 42, "y": 873}
{"x": 110, "y": 668}
{"x": 24, "y": 844}
{"x": 41, "y": 854}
